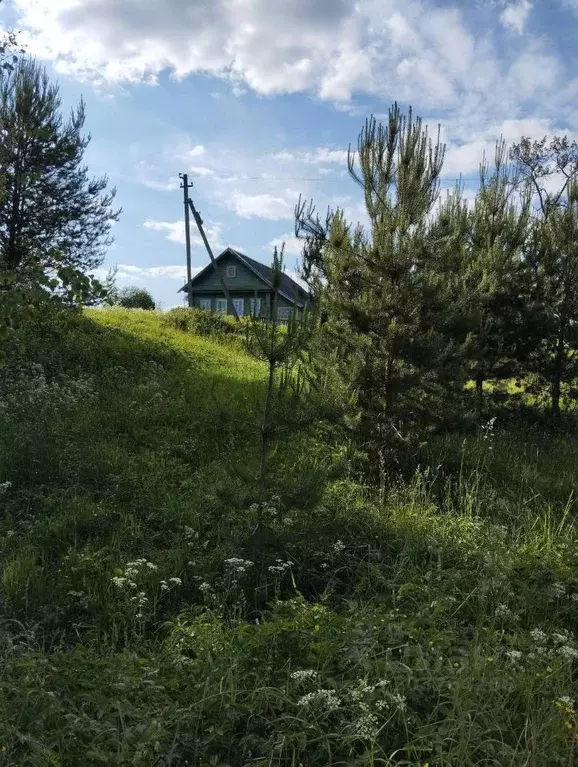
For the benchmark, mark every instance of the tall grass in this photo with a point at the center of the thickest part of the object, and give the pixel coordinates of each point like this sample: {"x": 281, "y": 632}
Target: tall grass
{"x": 140, "y": 625}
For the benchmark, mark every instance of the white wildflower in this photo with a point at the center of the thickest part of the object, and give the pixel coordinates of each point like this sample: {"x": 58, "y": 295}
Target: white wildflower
{"x": 574, "y": 597}
{"x": 366, "y": 727}
{"x": 338, "y": 546}
{"x": 399, "y": 700}
{"x": 176, "y": 581}
{"x": 164, "y": 585}
{"x": 118, "y": 581}
{"x": 567, "y": 701}
{"x": 514, "y": 655}
{"x": 325, "y": 698}
{"x": 304, "y": 674}
{"x": 538, "y": 635}
{"x": 279, "y": 567}
{"x": 568, "y": 652}
{"x": 502, "y": 611}
{"x": 152, "y": 566}
{"x": 238, "y": 565}
{"x": 205, "y": 587}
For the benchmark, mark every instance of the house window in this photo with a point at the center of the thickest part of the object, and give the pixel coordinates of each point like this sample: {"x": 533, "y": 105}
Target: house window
{"x": 231, "y": 271}
{"x": 284, "y": 312}
{"x": 239, "y": 304}
{"x": 222, "y": 305}
{"x": 206, "y": 304}
{"x": 255, "y": 304}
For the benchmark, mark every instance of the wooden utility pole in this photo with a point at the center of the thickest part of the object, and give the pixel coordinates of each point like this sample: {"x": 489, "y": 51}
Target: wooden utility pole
{"x": 185, "y": 188}
{"x": 199, "y": 223}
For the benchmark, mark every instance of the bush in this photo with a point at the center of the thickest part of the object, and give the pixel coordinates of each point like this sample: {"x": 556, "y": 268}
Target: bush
{"x": 204, "y": 323}
{"x": 136, "y": 298}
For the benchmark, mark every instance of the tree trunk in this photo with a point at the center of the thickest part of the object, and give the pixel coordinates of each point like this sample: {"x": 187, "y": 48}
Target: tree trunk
{"x": 265, "y": 432}
{"x": 480, "y": 394}
{"x": 557, "y": 373}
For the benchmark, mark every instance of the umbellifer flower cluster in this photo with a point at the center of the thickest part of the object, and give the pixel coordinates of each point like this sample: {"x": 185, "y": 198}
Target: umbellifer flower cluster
{"x": 325, "y": 699}
{"x": 279, "y": 567}
{"x": 238, "y": 565}
{"x": 304, "y": 674}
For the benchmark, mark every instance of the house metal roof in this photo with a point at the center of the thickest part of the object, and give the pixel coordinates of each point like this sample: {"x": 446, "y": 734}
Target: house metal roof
{"x": 290, "y": 289}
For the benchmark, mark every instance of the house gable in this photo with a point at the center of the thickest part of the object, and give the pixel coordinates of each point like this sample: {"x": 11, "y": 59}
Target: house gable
{"x": 208, "y": 280}
{"x": 250, "y": 276}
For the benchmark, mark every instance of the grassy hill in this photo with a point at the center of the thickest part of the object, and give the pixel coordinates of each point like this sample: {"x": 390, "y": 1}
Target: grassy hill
{"x": 143, "y": 623}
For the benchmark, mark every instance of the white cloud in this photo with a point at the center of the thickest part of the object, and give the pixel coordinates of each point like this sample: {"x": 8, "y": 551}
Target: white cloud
{"x": 404, "y": 49}
{"x": 293, "y": 246}
{"x": 465, "y": 157}
{"x": 515, "y": 16}
{"x": 130, "y": 274}
{"x": 146, "y": 174}
{"x": 297, "y": 278}
{"x": 170, "y": 271}
{"x": 321, "y": 155}
{"x": 262, "y": 205}
{"x": 175, "y": 232}
{"x": 196, "y": 151}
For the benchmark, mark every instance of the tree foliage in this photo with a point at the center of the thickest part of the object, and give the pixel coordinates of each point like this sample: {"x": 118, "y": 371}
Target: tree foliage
{"x": 53, "y": 213}
{"x": 551, "y": 170}
{"x": 434, "y": 293}
{"x": 494, "y": 271}
{"x": 133, "y": 297}
{"x": 55, "y": 220}
{"x": 387, "y": 290}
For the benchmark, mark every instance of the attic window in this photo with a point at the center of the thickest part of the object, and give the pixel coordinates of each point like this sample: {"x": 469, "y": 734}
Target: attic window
{"x": 231, "y": 271}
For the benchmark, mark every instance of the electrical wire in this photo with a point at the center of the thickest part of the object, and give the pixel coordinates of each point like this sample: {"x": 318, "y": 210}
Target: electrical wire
{"x": 306, "y": 178}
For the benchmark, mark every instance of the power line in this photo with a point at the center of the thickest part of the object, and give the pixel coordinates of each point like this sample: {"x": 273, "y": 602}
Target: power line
{"x": 320, "y": 179}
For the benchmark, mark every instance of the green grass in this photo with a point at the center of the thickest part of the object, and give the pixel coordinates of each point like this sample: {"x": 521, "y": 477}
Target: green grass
{"x": 436, "y": 626}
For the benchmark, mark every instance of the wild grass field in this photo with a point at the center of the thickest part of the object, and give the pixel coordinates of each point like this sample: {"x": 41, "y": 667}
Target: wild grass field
{"x": 142, "y": 622}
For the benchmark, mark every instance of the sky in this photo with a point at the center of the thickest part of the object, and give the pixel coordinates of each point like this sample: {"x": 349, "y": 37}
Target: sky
{"x": 258, "y": 101}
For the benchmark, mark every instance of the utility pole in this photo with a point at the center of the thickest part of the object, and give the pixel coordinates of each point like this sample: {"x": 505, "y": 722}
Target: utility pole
{"x": 199, "y": 223}
{"x": 185, "y": 188}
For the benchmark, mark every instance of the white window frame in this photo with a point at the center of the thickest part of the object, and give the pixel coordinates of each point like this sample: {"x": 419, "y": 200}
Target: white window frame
{"x": 284, "y": 313}
{"x": 231, "y": 271}
{"x": 236, "y": 306}
{"x": 255, "y": 305}
{"x": 222, "y": 305}
{"x": 205, "y": 303}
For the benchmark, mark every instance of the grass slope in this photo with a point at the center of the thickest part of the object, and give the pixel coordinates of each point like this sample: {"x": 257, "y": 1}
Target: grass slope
{"x": 141, "y": 622}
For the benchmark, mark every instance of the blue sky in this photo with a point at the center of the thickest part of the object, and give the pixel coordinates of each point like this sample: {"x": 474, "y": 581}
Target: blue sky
{"x": 258, "y": 100}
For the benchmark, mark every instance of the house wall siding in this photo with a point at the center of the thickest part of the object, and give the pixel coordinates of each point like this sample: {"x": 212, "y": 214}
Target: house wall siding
{"x": 245, "y": 279}
{"x": 266, "y": 301}
{"x": 246, "y": 284}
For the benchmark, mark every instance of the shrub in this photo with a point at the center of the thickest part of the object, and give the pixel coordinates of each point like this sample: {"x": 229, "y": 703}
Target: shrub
{"x": 204, "y": 323}
{"x": 136, "y": 298}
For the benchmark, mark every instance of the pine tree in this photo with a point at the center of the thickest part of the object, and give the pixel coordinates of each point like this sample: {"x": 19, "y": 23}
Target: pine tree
{"x": 555, "y": 261}
{"x": 387, "y": 300}
{"x": 551, "y": 168}
{"x": 55, "y": 220}
{"x": 282, "y": 348}
{"x": 494, "y": 273}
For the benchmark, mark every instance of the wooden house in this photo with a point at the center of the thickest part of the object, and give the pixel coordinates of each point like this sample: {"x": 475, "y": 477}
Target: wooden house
{"x": 250, "y": 286}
